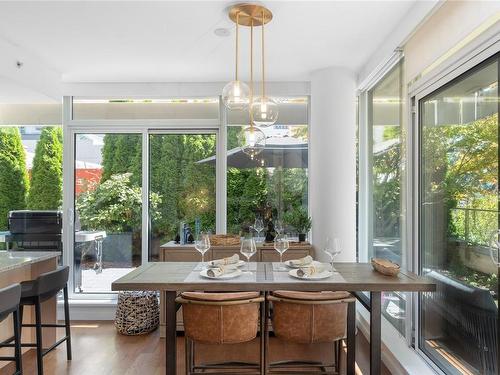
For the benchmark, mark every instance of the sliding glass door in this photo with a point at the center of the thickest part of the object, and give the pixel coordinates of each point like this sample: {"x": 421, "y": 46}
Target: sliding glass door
{"x": 459, "y": 132}
{"x": 108, "y": 209}
{"x": 182, "y": 194}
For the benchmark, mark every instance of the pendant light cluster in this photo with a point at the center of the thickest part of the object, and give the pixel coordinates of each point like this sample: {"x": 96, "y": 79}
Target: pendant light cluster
{"x": 237, "y": 95}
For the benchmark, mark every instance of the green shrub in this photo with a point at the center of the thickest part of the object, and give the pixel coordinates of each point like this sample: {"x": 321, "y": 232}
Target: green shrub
{"x": 46, "y": 176}
{"x": 14, "y": 182}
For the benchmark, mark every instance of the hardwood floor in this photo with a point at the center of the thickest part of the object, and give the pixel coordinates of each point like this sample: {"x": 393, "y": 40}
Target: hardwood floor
{"x": 98, "y": 349}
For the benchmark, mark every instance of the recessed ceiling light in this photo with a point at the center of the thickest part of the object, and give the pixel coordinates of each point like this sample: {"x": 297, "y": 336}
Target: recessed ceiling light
{"x": 222, "y": 32}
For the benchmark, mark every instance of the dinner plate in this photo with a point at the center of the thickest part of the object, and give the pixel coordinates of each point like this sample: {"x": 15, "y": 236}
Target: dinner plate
{"x": 226, "y": 276}
{"x": 289, "y": 264}
{"x": 239, "y": 264}
{"x": 319, "y": 276}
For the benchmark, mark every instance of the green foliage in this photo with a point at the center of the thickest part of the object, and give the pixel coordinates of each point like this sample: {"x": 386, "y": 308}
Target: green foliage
{"x": 122, "y": 153}
{"x": 299, "y": 219}
{"x": 115, "y": 206}
{"x": 46, "y": 176}
{"x": 14, "y": 183}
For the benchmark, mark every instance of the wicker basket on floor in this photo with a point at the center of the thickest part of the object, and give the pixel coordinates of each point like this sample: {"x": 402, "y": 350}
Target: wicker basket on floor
{"x": 137, "y": 313}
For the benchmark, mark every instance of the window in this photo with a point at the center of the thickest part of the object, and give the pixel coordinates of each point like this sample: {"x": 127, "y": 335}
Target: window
{"x": 383, "y": 160}
{"x": 182, "y": 199}
{"x": 108, "y": 209}
{"x": 273, "y": 185}
{"x": 30, "y": 170}
{"x": 458, "y": 215}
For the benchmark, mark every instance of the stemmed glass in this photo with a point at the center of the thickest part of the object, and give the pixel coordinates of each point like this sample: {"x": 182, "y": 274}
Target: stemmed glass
{"x": 248, "y": 248}
{"x": 281, "y": 244}
{"x": 258, "y": 226}
{"x": 332, "y": 249}
{"x": 279, "y": 226}
{"x": 202, "y": 244}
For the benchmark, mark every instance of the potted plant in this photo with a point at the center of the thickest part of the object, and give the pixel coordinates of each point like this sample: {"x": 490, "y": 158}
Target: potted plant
{"x": 300, "y": 220}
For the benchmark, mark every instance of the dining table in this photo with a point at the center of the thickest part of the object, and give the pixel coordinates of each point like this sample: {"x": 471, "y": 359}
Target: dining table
{"x": 173, "y": 278}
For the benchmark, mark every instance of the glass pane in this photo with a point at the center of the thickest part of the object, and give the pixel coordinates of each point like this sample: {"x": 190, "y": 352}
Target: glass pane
{"x": 144, "y": 109}
{"x": 182, "y": 187}
{"x": 108, "y": 206}
{"x": 385, "y": 101}
{"x": 30, "y": 175}
{"x": 273, "y": 185}
{"x": 458, "y": 214}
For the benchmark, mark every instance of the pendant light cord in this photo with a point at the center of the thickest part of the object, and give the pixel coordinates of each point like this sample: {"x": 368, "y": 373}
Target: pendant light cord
{"x": 251, "y": 72}
{"x": 237, "y": 39}
{"x": 263, "y": 65}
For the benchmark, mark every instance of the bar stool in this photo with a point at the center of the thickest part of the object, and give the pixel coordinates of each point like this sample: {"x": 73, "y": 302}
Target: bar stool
{"x": 308, "y": 318}
{"x": 221, "y": 318}
{"x": 34, "y": 293}
{"x": 9, "y": 304}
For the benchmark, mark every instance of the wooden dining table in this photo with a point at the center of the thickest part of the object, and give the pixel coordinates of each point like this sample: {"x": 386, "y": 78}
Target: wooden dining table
{"x": 175, "y": 277}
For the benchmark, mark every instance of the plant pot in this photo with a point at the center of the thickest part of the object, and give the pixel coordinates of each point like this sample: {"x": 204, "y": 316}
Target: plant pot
{"x": 302, "y": 237}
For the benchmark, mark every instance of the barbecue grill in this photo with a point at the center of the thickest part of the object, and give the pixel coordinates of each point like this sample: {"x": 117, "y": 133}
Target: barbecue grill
{"x": 35, "y": 230}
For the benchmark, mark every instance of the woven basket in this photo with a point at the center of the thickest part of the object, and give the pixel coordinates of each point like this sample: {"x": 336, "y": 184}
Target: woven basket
{"x": 137, "y": 313}
{"x": 385, "y": 266}
{"x": 224, "y": 240}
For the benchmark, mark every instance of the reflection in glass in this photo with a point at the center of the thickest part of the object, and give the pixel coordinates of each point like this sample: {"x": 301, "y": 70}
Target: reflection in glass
{"x": 458, "y": 214}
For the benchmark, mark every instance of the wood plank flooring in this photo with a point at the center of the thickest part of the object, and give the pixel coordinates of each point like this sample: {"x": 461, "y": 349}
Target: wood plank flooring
{"x": 98, "y": 349}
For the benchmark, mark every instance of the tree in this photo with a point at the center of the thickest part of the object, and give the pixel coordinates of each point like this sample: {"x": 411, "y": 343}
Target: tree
{"x": 46, "y": 176}
{"x": 14, "y": 182}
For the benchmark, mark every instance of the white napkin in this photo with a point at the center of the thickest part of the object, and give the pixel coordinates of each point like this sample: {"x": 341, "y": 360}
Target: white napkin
{"x": 225, "y": 261}
{"x": 221, "y": 270}
{"x": 312, "y": 270}
{"x": 302, "y": 261}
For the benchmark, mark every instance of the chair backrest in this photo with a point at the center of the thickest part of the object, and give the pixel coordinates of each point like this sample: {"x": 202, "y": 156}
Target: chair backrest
{"x": 9, "y": 300}
{"x": 50, "y": 283}
{"x": 310, "y": 317}
{"x": 220, "y": 318}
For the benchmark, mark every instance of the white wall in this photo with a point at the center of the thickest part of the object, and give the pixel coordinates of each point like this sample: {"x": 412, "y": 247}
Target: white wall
{"x": 332, "y": 159}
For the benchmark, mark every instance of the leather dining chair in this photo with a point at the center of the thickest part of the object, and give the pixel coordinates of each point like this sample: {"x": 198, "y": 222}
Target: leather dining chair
{"x": 220, "y": 318}
{"x": 309, "y": 318}
{"x": 9, "y": 304}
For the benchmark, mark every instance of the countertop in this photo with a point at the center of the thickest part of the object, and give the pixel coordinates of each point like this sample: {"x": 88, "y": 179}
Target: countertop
{"x": 10, "y": 260}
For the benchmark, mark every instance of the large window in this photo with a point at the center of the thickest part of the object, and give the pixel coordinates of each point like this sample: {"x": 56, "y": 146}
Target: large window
{"x": 274, "y": 184}
{"x": 108, "y": 209}
{"x": 459, "y": 132}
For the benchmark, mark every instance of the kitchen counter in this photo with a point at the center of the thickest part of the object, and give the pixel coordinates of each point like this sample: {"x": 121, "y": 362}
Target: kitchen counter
{"x": 11, "y": 260}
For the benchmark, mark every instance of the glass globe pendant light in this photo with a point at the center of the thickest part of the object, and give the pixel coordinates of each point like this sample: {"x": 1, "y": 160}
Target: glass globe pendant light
{"x": 253, "y": 140}
{"x": 264, "y": 110}
{"x": 235, "y": 94}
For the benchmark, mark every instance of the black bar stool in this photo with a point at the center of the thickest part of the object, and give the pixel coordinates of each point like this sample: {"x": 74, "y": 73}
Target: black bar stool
{"x": 33, "y": 293}
{"x": 9, "y": 304}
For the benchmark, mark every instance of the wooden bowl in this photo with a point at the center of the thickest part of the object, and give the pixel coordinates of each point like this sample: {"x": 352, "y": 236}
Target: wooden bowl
{"x": 385, "y": 266}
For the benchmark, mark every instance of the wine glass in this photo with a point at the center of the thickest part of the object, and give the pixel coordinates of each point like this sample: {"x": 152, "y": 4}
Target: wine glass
{"x": 202, "y": 244}
{"x": 279, "y": 226}
{"x": 281, "y": 244}
{"x": 248, "y": 248}
{"x": 258, "y": 226}
{"x": 332, "y": 249}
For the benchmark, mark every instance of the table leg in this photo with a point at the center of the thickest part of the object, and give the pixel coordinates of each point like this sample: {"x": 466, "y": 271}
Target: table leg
{"x": 351, "y": 338}
{"x": 263, "y": 317}
{"x": 171, "y": 333}
{"x": 375, "y": 333}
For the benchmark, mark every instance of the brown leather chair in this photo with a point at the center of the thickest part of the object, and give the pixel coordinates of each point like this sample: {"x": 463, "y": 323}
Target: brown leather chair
{"x": 220, "y": 318}
{"x": 308, "y": 318}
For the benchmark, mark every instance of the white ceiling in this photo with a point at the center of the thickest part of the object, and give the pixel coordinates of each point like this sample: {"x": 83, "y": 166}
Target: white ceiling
{"x": 174, "y": 41}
